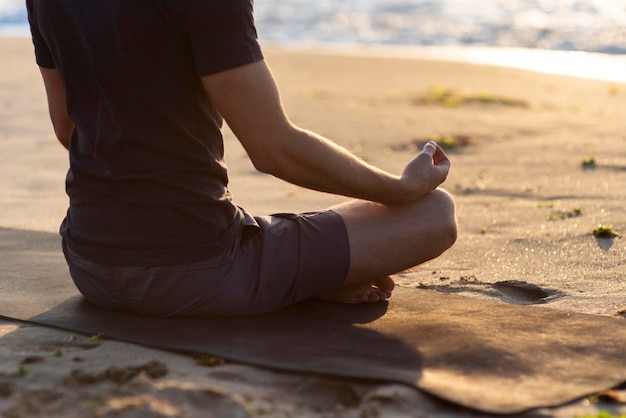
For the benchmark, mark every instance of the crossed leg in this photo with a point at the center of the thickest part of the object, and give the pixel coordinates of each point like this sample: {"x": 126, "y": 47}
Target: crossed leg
{"x": 386, "y": 240}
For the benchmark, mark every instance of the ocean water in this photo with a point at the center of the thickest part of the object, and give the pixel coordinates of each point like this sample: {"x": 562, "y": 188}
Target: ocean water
{"x": 572, "y": 25}
{"x": 587, "y": 33}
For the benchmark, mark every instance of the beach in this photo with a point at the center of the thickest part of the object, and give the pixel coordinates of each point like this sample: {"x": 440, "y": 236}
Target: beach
{"x": 538, "y": 165}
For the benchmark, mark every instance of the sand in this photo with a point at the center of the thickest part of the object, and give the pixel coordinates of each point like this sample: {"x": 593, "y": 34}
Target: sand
{"x": 527, "y": 209}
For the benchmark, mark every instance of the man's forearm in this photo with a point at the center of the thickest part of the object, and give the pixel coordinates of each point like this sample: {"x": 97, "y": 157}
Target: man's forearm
{"x": 314, "y": 162}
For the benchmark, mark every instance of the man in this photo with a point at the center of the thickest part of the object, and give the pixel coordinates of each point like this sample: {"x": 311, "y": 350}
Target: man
{"x": 136, "y": 92}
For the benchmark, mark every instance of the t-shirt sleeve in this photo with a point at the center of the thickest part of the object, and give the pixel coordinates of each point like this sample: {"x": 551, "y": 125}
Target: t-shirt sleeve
{"x": 222, "y": 34}
{"x": 43, "y": 56}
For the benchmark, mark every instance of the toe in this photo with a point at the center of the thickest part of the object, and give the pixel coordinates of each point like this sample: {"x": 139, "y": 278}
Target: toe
{"x": 385, "y": 284}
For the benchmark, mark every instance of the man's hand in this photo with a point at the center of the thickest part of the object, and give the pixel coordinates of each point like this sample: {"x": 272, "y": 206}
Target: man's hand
{"x": 426, "y": 171}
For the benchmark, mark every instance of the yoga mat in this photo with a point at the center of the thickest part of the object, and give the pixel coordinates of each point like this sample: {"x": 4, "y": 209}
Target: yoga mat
{"x": 491, "y": 357}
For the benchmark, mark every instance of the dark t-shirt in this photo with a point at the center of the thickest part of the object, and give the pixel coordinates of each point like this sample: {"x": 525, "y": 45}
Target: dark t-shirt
{"x": 147, "y": 181}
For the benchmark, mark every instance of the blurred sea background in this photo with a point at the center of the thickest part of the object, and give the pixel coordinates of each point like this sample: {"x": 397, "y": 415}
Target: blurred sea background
{"x": 584, "y": 38}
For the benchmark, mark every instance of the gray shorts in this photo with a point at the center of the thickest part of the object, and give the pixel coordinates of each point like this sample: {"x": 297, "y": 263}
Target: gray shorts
{"x": 291, "y": 258}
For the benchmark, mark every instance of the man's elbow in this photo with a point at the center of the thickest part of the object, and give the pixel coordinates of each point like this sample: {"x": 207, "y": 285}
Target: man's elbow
{"x": 278, "y": 162}
{"x": 273, "y": 152}
{"x": 265, "y": 164}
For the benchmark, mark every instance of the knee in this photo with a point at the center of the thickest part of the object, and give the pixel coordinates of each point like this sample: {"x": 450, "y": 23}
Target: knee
{"x": 446, "y": 214}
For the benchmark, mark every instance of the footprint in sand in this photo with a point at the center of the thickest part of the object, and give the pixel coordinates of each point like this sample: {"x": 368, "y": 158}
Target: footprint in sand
{"x": 524, "y": 293}
{"x": 509, "y": 291}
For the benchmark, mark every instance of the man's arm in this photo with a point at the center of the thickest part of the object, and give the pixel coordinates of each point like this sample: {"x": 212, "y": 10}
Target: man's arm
{"x": 57, "y": 105}
{"x": 248, "y": 99}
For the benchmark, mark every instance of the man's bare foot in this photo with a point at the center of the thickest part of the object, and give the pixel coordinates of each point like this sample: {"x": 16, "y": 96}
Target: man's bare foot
{"x": 377, "y": 291}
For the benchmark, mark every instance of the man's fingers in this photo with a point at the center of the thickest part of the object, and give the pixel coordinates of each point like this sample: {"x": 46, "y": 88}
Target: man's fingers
{"x": 430, "y": 148}
{"x": 437, "y": 153}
